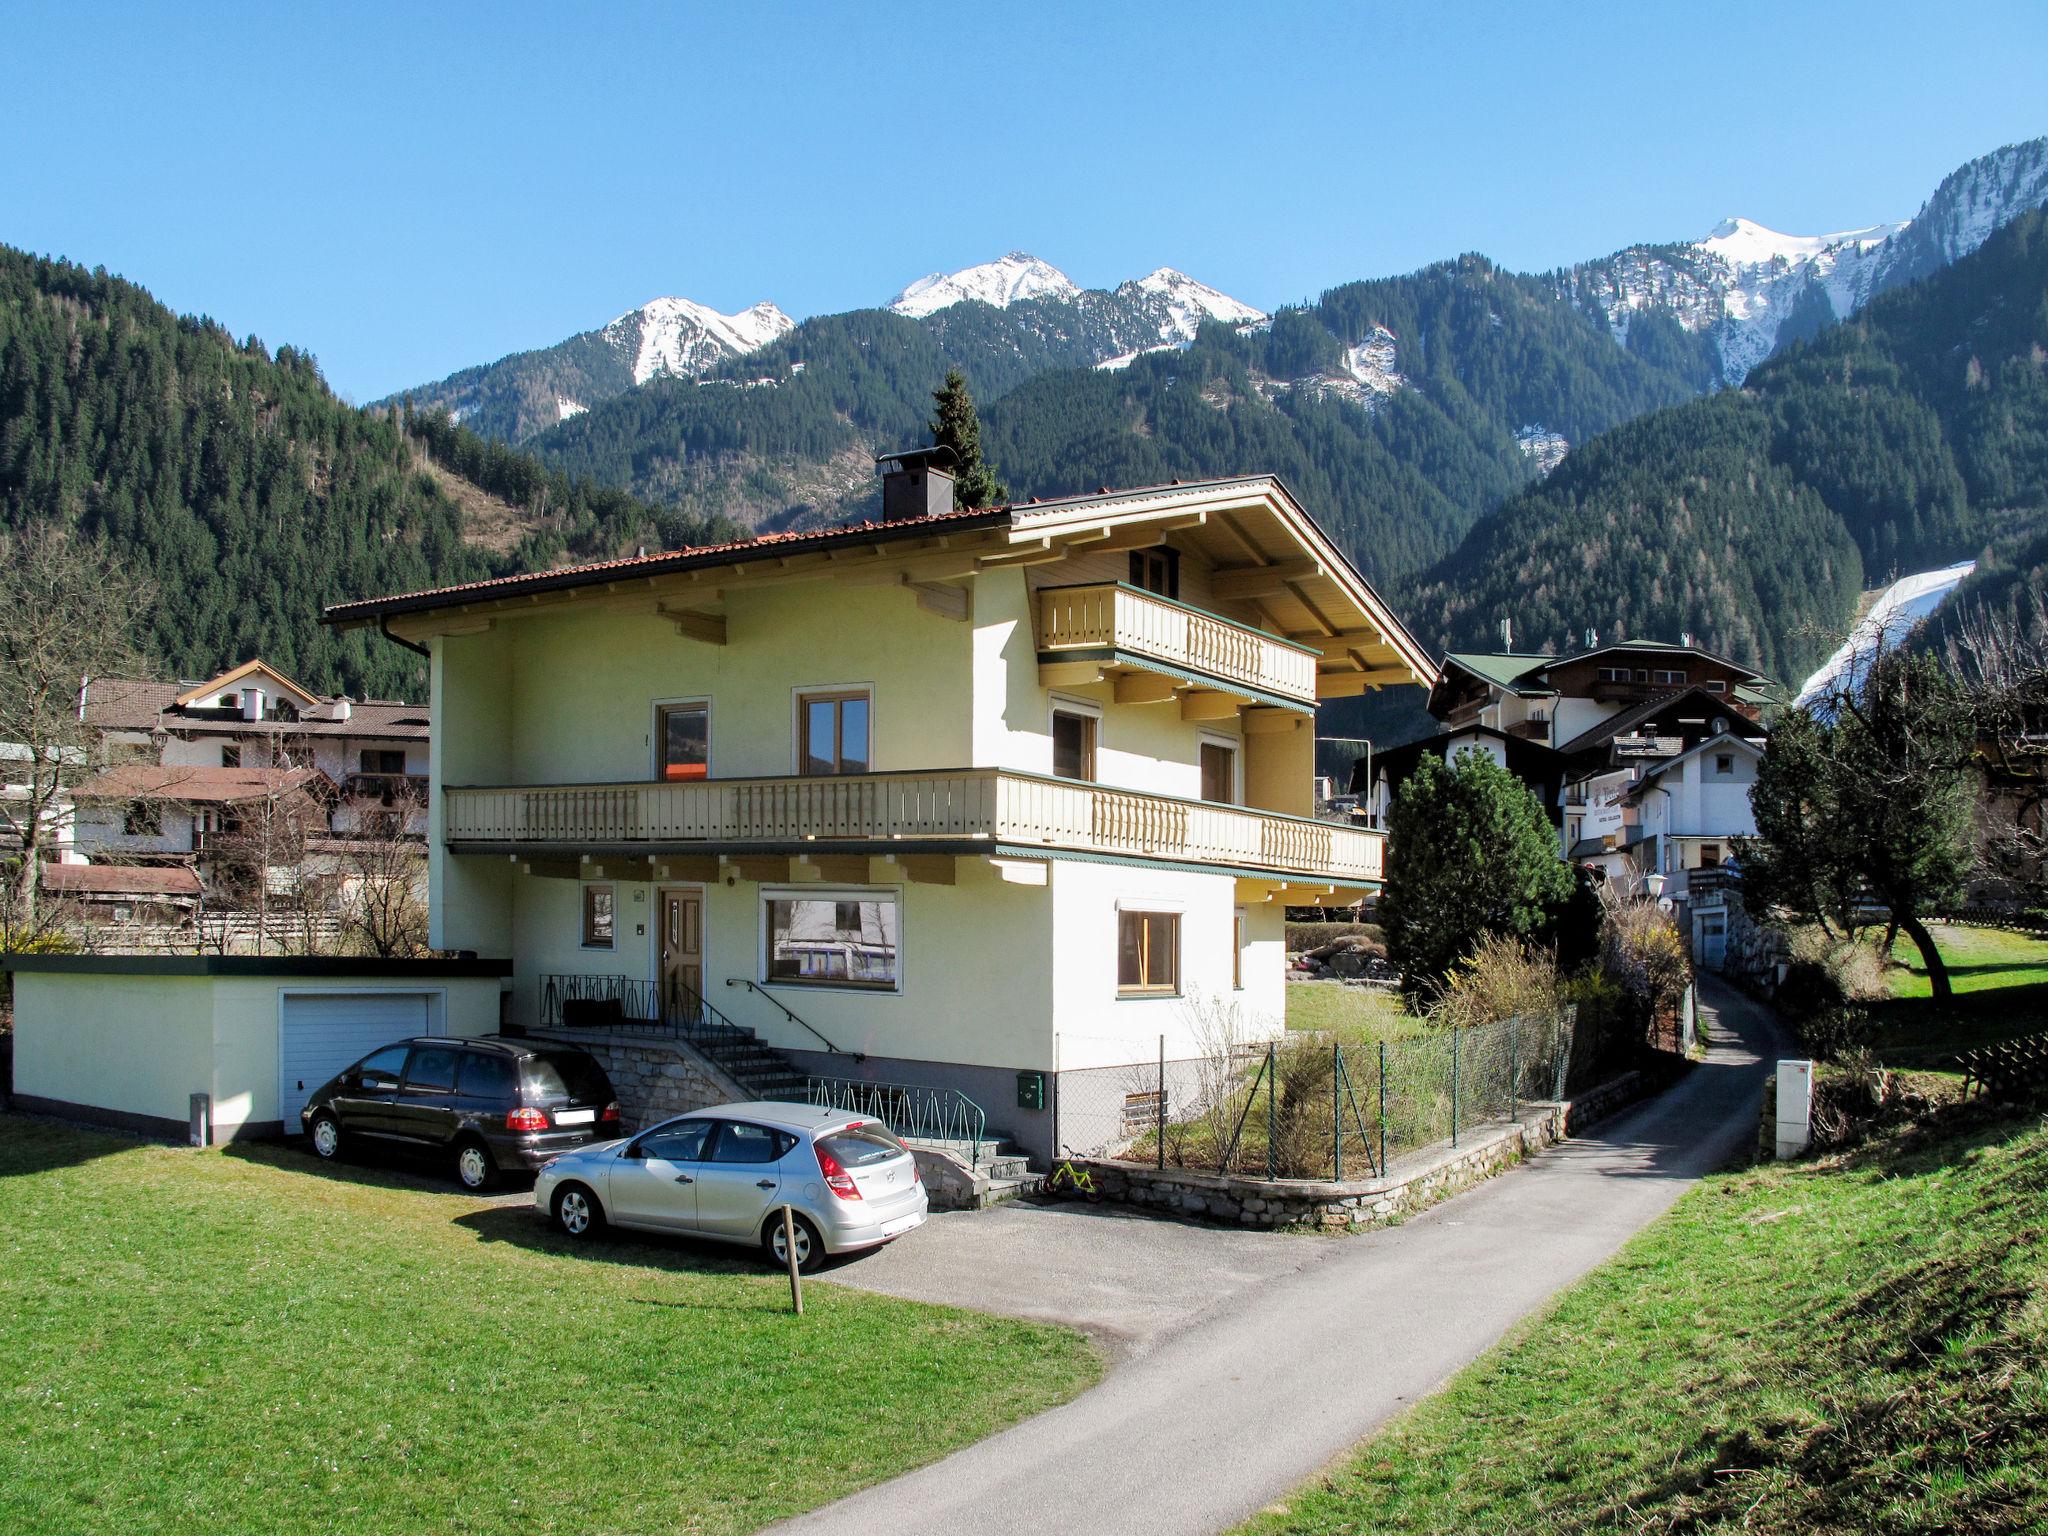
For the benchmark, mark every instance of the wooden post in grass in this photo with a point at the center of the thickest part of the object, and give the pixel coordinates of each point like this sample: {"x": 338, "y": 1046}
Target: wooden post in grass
{"x": 796, "y": 1283}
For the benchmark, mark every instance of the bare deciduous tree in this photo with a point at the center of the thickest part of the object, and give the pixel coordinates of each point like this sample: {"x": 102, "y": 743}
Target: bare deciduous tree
{"x": 382, "y": 879}
{"x": 69, "y": 610}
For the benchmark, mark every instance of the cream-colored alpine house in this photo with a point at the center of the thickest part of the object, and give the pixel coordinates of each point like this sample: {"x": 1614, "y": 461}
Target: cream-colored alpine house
{"x": 968, "y": 793}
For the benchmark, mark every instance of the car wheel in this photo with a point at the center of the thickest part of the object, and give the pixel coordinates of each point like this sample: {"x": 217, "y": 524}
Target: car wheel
{"x": 474, "y": 1169}
{"x": 577, "y": 1212}
{"x": 324, "y": 1136}
{"x": 810, "y": 1249}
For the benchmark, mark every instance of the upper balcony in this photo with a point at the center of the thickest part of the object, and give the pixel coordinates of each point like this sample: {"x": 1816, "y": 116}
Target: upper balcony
{"x": 988, "y": 812}
{"x": 1107, "y": 626}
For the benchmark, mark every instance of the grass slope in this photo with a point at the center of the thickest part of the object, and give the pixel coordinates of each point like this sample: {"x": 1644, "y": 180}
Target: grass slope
{"x": 239, "y": 1341}
{"x": 1979, "y": 960}
{"x": 1850, "y": 1345}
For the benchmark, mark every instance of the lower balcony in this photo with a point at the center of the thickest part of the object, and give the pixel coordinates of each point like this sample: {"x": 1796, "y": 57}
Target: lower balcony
{"x": 972, "y": 811}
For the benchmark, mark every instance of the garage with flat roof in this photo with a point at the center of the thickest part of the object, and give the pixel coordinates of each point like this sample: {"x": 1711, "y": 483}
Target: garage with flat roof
{"x": 137, "y": 1040}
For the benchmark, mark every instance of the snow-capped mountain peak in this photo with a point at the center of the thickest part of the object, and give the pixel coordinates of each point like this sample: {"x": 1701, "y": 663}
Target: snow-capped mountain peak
{"x": 1745, "y": 243}
{"x": 1015, "y": 277}
{"x": 1188, "y": 303}
{"x": 681, "y": 338}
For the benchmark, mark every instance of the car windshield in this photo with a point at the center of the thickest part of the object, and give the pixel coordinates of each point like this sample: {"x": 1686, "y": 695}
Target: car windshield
{"x": 564, "y": 1075}
{"x": 857, "y": 1146}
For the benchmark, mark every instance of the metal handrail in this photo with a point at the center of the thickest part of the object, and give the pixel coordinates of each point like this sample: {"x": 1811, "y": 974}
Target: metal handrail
{"x": 640, "y": 1009}
{"x": 753, "y": 985}
{"x": 913, "y": 1111}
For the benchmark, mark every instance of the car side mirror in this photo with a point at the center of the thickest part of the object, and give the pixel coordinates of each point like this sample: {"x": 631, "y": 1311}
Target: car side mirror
{"x": 635, "y": 1150}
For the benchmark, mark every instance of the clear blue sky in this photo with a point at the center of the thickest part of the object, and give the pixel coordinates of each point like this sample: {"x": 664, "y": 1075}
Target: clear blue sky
{"x": 408, "y": 189}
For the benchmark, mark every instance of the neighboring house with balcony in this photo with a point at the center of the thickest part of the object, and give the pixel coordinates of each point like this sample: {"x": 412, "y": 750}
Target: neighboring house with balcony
{"x": 963, "y": 798}
{"x": 370, "y": 756}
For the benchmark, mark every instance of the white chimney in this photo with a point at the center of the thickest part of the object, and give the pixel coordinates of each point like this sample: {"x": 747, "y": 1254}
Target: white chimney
{"x": 341, "y": 708}
{"x": 252, "y": 703}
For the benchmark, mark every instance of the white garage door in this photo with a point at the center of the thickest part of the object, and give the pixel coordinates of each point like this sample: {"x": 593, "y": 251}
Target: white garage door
{"x": 320, "y": 1033}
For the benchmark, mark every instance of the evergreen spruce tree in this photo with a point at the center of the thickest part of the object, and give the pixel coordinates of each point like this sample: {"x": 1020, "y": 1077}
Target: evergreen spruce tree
{"x": 956, "y": 425}
{"x": 1471, "y": 852}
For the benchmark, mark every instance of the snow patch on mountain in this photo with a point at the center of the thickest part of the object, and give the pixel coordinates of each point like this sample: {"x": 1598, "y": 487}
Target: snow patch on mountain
{"x": 1185, "y": 303}
{"x": 1370, "y": 375}
{"x": 1889, "y": 621}
{"x": 679, "y": 339}
{"x": 1016, "y": 277}
{"x": 1542, "y": 447}
{"x": 565, "y": 408}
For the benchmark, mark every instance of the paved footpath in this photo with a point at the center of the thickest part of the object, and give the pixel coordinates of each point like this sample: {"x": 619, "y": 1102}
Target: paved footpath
{"x": 1210, "y": 1424}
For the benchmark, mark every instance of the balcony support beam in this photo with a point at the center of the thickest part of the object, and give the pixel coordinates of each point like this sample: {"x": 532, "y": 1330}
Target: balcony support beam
{"x": 1069, "y": 674}
{"x": 551, "y": 869}
{"x": 1266, "y": 721}
{"x": 1022, "y": 871}
{"x": 766, "y": 868}
{"x": 840, "y": 868}
{"x": 1207, "y": 704}
{"x": 699, "y": 868}
{"x": 926, "y": 868}
{"x": 1145, "y": 688}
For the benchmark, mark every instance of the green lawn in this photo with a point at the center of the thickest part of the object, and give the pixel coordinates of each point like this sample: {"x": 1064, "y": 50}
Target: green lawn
{"x": 1365, "y": 1014}
{"x": 1849, "y": 1346}
{"x": 1979, "y": 960}
{"x": 2001, "y": 986}
{"x": 246, "y": 1341}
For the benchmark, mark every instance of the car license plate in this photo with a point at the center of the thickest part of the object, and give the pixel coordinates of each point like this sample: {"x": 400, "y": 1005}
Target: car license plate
{"x": 898, "y": 1228}
{"x": 575, "y": 1116}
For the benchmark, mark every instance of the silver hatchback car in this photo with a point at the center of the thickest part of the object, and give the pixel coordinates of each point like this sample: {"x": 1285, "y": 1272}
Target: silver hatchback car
{"x": 726, "y": 1173}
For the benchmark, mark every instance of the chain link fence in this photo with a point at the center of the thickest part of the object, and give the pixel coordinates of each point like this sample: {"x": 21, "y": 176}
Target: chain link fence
{"x": 1310, "y": 1107}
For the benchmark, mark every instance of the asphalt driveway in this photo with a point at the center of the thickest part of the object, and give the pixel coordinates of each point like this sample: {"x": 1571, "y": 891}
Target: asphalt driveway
{"x": 1125, "y": 1278}
{"x": 1252, "y": 1360}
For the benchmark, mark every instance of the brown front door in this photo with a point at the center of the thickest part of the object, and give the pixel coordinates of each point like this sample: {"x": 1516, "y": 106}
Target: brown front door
{"x": 682, "y": 949}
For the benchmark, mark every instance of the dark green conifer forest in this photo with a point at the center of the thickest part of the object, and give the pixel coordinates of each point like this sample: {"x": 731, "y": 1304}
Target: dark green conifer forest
{"x": 233, "y": 477}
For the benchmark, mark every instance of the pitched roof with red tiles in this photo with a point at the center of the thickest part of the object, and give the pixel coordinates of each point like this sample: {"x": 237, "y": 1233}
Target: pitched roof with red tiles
{"x": 211, "y": 786}
{"x": 732, "y": 552}
{"x": 120, "y": 880}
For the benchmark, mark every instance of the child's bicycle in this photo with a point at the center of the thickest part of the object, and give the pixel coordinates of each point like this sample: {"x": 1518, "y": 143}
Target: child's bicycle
{"x": 1068, "y": 1182}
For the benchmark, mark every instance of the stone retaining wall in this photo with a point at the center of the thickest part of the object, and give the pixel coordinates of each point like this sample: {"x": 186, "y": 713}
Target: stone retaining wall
{"x": 655, "y": 1079}
{"x": 1355, "y": 1204}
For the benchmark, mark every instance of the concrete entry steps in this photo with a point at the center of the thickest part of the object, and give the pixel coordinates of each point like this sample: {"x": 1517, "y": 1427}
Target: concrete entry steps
{"x": 958, "y": 1178}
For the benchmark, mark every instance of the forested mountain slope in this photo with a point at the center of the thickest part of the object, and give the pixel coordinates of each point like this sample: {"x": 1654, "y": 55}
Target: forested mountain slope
{"x": 1402, "y": 409}
{"x": 252, "y": 495}
{"x": 1914, "y": 435}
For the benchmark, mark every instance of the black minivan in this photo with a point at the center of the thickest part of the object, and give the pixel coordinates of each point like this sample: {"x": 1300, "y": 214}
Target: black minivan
{"x": 487, "y": 1104}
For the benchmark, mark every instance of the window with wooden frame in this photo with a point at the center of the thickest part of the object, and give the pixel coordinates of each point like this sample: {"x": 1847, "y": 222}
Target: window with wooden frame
{"x": 682, "y": 734}
{"x": 600, "y": 913}
{"x": 1147, "y": 954}
{"x": 1073, "y": 744}
{"x": 1710, "y": 855}
{"x": 389, "y": 760}
{"x": 230, "y": 755}
{"x": 833, "y": 732}
{"x": 1219, "y": 772}
{"x": 1156, "y": 571}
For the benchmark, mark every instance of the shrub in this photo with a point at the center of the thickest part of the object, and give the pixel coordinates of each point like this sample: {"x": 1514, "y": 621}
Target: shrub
{"x": 1642, "y": 954}
{"x": 1826, "y": 972}
{"x": 1838, "y": 1033}
{"x": 1500, "y": 978}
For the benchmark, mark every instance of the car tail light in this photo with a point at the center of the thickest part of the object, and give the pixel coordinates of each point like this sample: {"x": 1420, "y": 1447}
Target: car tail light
{"x": 837, "y": 1179}
{"x": 527, "y": 1120}
{"x": 916, "y": 1173}
{"x": 611, "y": 1113}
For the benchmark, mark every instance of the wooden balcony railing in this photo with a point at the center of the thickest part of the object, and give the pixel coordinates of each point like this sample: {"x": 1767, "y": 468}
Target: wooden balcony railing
{"x": 974, "y": 805}
{"x": 1116, "y": 616}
